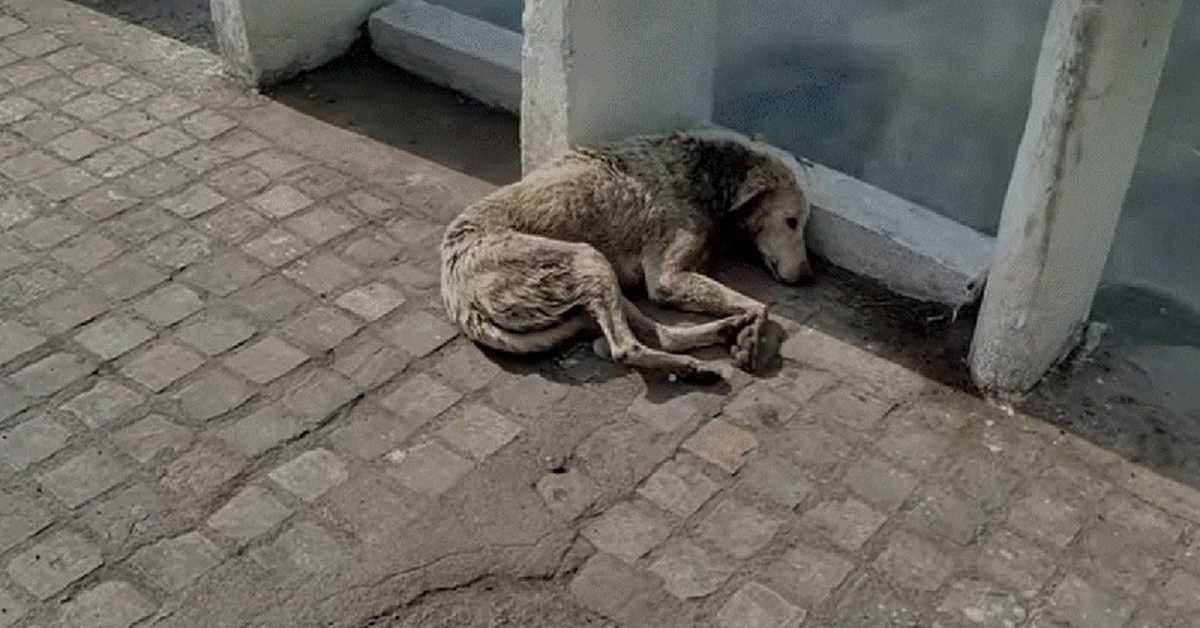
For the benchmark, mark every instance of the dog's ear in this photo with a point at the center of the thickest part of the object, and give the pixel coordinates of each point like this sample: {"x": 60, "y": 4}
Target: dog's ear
{"x": 757, "y": 184}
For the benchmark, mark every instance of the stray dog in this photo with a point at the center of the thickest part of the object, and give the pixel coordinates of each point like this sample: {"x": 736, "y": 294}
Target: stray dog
{"x": 541, "y": 260}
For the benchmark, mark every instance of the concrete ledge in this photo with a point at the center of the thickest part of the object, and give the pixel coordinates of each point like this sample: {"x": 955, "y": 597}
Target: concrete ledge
{"x": 910, "y": 249}
{"x": 451, "y": 49}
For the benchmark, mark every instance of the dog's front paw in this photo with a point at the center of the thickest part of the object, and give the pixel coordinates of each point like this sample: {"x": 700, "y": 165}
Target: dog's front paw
{"x": 747, "y": 351}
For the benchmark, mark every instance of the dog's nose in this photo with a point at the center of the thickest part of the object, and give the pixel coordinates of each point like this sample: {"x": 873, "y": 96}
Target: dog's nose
{"x": 803, "y": 275}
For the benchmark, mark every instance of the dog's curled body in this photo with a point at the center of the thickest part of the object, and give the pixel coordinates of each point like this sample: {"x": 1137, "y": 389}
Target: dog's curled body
{"x": 538, "y": 261}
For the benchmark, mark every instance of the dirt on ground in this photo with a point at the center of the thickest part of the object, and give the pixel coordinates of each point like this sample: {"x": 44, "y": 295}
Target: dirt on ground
{"x": 491, "y": 603}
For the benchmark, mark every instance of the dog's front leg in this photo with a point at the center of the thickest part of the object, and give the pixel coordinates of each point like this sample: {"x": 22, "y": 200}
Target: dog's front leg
{"x": 694, "y": 292}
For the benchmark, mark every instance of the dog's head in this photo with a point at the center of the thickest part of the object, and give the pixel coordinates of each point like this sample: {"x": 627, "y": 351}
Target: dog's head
{"x": 773, "y": 207}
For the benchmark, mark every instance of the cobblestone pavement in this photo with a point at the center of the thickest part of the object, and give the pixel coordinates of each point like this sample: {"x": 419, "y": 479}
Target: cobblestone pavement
{"x": 228, "y": 396}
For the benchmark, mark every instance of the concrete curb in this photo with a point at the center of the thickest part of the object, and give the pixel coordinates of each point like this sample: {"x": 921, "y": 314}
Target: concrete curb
{"x": 451, "y": 49}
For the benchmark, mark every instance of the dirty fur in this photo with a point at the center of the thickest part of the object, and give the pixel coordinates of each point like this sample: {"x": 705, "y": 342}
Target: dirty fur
{"x": 546, "y": 258}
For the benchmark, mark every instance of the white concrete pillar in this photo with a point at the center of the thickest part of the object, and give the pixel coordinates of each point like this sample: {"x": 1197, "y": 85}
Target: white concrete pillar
{"x": 1096, "y": 81}
{"x": 597, "y": 70}
{"x": 266, "y": 41}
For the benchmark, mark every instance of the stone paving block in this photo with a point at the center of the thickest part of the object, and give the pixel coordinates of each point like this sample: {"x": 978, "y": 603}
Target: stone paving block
{"x": 628, "y": 530}
{"x": 323, "y": 274}
{"x": 125, "y": 125}
{"x": 679, "y": 487}
{"x": 202, "y": 470}
{"x": 758, "y": 405}
{"x": 155, "y": 179}
{"x": 175, "y": 563}
{"x": 880, "y": 484}
{"x": 211, "y": 395}
{"x": 224, "y": 274}
{"x": 1015, "y": 563}
{"x": 169, "y": 108}
{"x": 412, "y": 277}
{"x": 371, "y": 301}
{"x": 32, "y": 441}
{"x": 131, "y": 89}
{"x": 78, "y": 144}
{"x": 951, "y": 515}
{"x": 125, "y": 278}
{"x": 372, "y": 511}
{"x": 756, "y": 606}
{"x": 207, "y": 125}
{"x": 428, "y": 468}
{"x": 162, "y": 366}
{"x": 99, "y": 75}
{"x": 849, "y": 523}
{"x": 368, "y": 362}
{"x": 1075, "y": 602}
{"x": 273, "y": 298}
{"x": 51, "y": 374}
{"x": 30, "y": 166}
{"x": 467, "y": 368}
{"x": 163, "y": 142}
{"x": 261, "y": 431}
{"x": 1042, "y": 516}
{"x": 27, "y": 72}
{"x": 194, "y": 201}
{"x": 317, "y": 395}
{"x": 44, "y": 233}
{"x": 41, "y": 127}
{"x": 20, "y": 519}
{"x": 722, "y": 444}
{"x": 321, "y": 224}
{"x": 480, "y": 431}
{"x": 568, "y": 493}
{"x": 372, "y": 249}
{"x": 281, "y": 201}
{"x": 266, "y": 360}
{"x": 987, "y": 481}
{"x": 622, "y": 454}
{"x": 34, "y": 44}
{"x": 85, "y": 476}
{"x": 304, "y": 548}
{"x": 311, "y": 474}
{"x": 113, "y": 337}
{"x": 51, "y": 565}
{"x": 913, "y": 445}
{"x": 110, "y": 163}
{"x": 688, "y": 571}
{"x": 103, "y": 403}
{"x": 21, "y": 289}
{"x": 169, "y": 305}
{"x": 1171, "y": 496}
{"x": 421, "y": 398}
{"x": 142, "y": 225}
{"x": 251, "y": 513}
{"x": 529, "y": 395}
{"x": 200, "y": 159}
{"x": 912, "y": 563}
{"x": 240, "y": 143}
{"x": 55, "y": 90}
{"x": 216, "y": 333}
{"x": 869, "y": 604}
{"x": 242, "y": 180}
{"x": 147, "y": 438}
{"x": 808, "y": 575}
{"x": 65, "y": 184}
{"x": 678, "y": 413}
{"x": 104, "y": 202}
{"x": 1182, "y": 593}
{"x": 738, "y": 529}
{"x": 319, "y": 181}
{"x": 11, "y": 26}
{"x": 14, "y": 109}
{"x": 10, "y": 258}
{"x": 321, "y": 328}
{"x": 420, "y": 334}
{"x": 11, "y": 610}
{"x": 415, "y": 232}
{"x": 276, "y": 163}
{"x": 1124, "y": 549}
{"x": 128, "y": 518}
{"x": 92, "y": 106}
{"x": 850, "y": 407}
{"x": 12, "y": 401}
{"x": 371, "y": 432}
{"x": 17, "y": 339}
{"x": 86, "y": 252}
{"x": 617, "y": 590}
{"x": 69, "y": 59}
{"x": 232, "y": 224}
{"x": 276, "y": 247}
{"x": 110, "y": 604}
{"x": 780, "y": 480}
{"x": 978, "y": 602}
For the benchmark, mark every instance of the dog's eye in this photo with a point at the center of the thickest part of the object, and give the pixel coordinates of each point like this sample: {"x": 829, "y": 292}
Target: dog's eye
{"x": 792, "y": 223}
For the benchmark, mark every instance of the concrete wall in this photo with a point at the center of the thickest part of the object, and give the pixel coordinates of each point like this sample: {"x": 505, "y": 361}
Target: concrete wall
{"x": 266, "y": 41}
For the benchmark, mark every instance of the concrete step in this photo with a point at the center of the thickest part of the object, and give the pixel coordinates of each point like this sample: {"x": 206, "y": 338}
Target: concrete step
{"x": 451, "y": 49}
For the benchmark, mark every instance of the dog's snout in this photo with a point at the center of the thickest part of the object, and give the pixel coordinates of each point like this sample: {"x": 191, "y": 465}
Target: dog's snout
{"x": 802, "y": 275}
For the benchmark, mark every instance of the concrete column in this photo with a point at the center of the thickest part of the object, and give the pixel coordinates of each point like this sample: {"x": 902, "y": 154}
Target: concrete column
{"x": 593, "y": 71}
{"x": 1096, "y": 81}
{"x": 266, "y": 41}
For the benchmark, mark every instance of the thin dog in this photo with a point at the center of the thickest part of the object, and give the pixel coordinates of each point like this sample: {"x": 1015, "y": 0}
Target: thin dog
{"x": 544, "y": 259}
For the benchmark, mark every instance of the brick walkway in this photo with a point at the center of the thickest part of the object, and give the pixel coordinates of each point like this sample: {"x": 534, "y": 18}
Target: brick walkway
{"x": 228, "y": 396}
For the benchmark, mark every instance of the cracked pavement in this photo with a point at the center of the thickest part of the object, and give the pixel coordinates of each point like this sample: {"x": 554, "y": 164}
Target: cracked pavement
{"x": 229, "y": 397}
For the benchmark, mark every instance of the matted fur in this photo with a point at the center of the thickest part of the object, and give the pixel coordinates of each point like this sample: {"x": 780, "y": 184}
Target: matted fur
{"x": 541, "y": 260}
